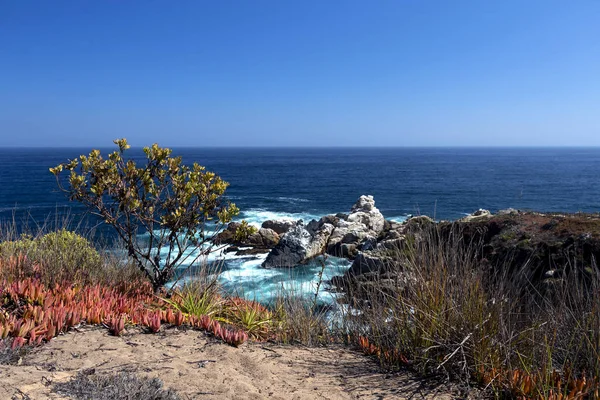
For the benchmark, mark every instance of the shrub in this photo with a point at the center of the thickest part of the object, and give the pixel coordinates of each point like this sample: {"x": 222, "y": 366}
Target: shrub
{"x": 62, "y": 256}
{"x": 165, "y": 199}
{"x": 62, "y": 253}
{"x": 124, "y": 385}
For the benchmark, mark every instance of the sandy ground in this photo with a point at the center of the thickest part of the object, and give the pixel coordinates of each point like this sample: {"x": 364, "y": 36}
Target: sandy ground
{"x": 198, "y": 367}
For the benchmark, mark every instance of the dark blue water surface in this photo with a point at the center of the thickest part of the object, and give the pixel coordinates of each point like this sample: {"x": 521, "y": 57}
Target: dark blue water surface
{"x": 443, "y": 182}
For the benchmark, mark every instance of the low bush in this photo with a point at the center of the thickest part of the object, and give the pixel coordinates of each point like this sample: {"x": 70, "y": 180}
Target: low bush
{"x": 124, "y": 385}
{"x": 34, "y": 308}
{"x": 63, "y": 255}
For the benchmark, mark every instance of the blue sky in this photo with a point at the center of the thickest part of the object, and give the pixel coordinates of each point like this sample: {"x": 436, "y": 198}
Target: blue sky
{"x": 300, "y": 73}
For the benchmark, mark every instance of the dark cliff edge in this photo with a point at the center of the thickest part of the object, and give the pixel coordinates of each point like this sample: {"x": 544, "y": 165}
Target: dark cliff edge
{"x": 537, "y": 249}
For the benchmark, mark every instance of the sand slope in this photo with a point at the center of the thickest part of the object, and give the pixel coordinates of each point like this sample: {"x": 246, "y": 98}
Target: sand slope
{"x": 198, "y": 367}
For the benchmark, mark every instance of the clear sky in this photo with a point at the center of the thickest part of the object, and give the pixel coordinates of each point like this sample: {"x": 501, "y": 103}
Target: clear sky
{"x": 300, "y": 73}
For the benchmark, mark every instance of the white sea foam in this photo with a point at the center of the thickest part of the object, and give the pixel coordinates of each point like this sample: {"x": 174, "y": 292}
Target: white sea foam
{"x": 293, "y": 199}
{"x": 256, "y": 216}
{"x": 247, "y": 278}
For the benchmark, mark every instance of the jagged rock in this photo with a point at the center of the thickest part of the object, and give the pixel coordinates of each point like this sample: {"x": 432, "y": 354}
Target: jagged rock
{"x": 366, "y": 262}
{"x": 226, "y": 236}
{"x": 254, "y": 240}
{"x": 365, "y": 212}
{"x": 291, "y": 249}
{"x": 340, "y": 235}
{"x": 279, "y": 226}
{"x": 351, "y": 230}
{"x": 320, "y": 239}
{"x": 300, "y": 245}
{"x": 370, "y": 243}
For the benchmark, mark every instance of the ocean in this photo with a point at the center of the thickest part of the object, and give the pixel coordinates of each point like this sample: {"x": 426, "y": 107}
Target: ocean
{"x": 307, "y": 183}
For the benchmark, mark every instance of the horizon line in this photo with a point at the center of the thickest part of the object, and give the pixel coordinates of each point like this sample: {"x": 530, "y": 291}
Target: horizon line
{"x": 220, "y": 147}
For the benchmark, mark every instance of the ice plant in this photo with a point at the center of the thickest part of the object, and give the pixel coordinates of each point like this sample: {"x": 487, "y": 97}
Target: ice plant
{"x": 116, "y": 324}
{"x": 154, "y": 321}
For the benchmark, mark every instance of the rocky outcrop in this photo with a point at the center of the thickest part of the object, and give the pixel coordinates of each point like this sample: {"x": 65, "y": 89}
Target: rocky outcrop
{"x": 341, "y": 235}
{"x": 227, "y": 235}
{"x": 280, "y": 226}
{"x": 367, "y": 262}
{"x": 537, "y": 250}
{"x": 261, "y": 241}
{"x": 300, "y": 245}
{"x": 363, "y": 225}
{"x": 269, "y": 237}
{"x": 292, "y": 249}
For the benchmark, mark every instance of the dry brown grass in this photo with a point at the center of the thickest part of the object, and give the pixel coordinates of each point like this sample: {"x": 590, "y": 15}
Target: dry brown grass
{"x": 454, "y": 315}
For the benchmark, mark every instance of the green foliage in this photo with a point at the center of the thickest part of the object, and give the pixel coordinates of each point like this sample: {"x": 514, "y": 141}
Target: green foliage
{"x": 196, "y": 299}
{"x": 243, "y": 231}
{"x": 251, "y": 317}
{"x": 168, "y": 200}
{"x": 63, "y": 254}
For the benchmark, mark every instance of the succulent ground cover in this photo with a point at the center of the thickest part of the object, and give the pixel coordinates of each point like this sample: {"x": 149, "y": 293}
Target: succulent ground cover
{"x": 39, "y": 301}
{"x": 33, "y": 313}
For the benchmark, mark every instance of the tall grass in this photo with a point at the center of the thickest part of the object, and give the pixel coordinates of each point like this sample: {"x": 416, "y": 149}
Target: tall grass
{"x": 448, "y": 312}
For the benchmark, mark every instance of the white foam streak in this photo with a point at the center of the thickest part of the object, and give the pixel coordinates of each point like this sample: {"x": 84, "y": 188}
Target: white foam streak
{"x": 257, "y": 216}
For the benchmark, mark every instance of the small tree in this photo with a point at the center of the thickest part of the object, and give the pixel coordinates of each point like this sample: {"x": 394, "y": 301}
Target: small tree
{"x": 169, "y": 201}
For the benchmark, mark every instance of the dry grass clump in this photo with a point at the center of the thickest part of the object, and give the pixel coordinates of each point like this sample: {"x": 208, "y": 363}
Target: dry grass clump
{"x": 124, "y": 385}
{"x": 455, "y": 315}
{"x": 301, "y": 320}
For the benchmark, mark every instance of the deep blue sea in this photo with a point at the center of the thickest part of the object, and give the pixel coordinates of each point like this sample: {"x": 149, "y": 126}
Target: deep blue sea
{"x": 445, "y": 183}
